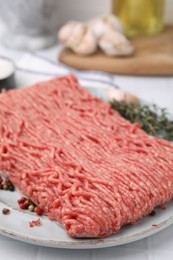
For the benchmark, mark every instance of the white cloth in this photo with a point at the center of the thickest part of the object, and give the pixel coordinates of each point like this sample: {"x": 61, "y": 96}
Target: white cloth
{"x": 32, "y": 63}
{"x": 156, "y": 247}
{"x": 157, "y": 90}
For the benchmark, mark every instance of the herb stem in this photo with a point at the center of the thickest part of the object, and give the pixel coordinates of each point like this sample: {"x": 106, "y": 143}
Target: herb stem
{"x": 153, "y": 119}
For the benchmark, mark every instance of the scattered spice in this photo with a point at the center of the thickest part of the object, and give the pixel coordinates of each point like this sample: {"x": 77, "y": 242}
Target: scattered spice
{"x": 5, "y": 211}
{"x": 22, "y": 206}
{"x": 35, "y": 223}
{"x": 153, "y": 119}
{"x": 6, "y": 184}
{"x": 38, "y": 211}
{"x": 28, "y": 204}
{"x": 11, "y": 187}
{"x": 31, "y": 208}
{"x": 153, "y": 213}
{"x": 21, "y": 200}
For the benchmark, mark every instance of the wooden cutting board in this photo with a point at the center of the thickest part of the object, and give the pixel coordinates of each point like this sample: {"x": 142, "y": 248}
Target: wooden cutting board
{"x": 153, "y": 56}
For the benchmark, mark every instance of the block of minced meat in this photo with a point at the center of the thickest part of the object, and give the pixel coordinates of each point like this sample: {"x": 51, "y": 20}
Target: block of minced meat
{"x": 86, "y": 166}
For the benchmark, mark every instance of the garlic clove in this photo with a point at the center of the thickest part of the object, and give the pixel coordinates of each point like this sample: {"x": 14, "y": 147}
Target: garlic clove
{"x": 102, "y": 24}
{"x": 88, "y": 44}
{"x": 115, "y": 44}
{"x": 76, "y": 36}
{"x": 81, "y": 40}
{"x": 114, "y": 23}
{"x": 121, "y": 95}
{"x": 66, "y": 31}
{"x": 98, "y": 27}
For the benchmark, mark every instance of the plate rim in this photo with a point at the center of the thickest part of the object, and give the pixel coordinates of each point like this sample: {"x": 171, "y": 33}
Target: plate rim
{"x": 89, "y": 243}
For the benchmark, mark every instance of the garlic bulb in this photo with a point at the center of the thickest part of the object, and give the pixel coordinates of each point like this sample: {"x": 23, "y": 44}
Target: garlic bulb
{"x": 105, "y": 32}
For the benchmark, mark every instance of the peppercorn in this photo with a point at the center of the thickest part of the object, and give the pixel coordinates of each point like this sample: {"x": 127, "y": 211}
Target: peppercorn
{"x": 5, "y": 211}
{"x": 31, "y": 208}
{"x": 22, "y": 206}
{"x": 38, "y": 211}
{"x": 11, "y": 187}
{"x": 5, "y": 186}
{"x": 21, "y": 200}
{"x": 152, "y": 213}
{"x": 26, "y": 205}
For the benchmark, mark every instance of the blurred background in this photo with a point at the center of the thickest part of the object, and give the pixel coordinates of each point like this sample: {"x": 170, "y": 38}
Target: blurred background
{"x": 84, "y": 10}
{"x": 65, "y": 10}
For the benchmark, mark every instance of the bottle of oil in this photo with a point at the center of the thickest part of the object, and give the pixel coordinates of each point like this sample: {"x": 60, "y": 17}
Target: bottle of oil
{"x": 140, "y": 16}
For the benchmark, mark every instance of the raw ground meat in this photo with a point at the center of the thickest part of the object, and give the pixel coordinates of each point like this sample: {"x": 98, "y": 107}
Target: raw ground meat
{"x": 81, "y": 162}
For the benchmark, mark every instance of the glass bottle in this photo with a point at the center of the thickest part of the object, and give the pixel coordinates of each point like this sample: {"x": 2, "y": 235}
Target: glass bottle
{"x": 140, "y": 16}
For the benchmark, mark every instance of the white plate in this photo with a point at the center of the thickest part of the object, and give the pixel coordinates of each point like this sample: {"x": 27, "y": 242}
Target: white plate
{"x": 50, "y": 234}
{"x": 16, "y": 225}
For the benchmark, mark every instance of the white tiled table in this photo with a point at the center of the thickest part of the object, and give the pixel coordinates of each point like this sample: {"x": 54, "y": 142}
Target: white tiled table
{"x": 159, "y": 246}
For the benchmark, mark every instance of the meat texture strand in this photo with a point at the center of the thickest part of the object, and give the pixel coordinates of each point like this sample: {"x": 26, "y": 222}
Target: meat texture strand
{"x": 81, "y": 162}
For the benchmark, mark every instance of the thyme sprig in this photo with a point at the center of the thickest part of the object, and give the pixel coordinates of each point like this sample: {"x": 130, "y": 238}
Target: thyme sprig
{"x": 153, "y": 119}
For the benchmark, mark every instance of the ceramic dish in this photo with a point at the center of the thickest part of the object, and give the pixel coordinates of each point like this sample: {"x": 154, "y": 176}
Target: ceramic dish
{"x": 50, "y": 234}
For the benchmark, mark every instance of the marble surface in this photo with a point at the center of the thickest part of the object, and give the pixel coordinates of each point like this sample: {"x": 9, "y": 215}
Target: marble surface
{"x": 154, "y": 89}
